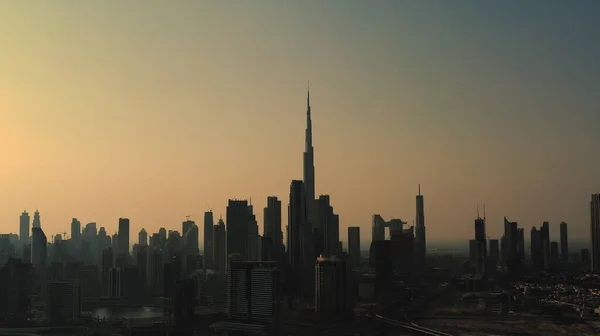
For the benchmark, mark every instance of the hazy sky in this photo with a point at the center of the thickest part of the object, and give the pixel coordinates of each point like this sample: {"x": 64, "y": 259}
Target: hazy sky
{"x": 153, "y": 109}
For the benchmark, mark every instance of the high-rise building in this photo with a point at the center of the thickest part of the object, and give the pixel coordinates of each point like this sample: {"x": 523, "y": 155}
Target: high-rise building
{"x": 253, "y": 297}
{"x": 420, "y": 241}
{"x": 208, "y": 239}
{"x": 354, "y": 244}
{"x": 272, "y": 225}
{"x": 545, "y": 235}
{"x": 38, "y": 248}
{"x": 143, "y": 237}
{"x": 554, "y": 252}
{"x": 124, "y": 236}
{"x": 237, "y": 229}
{"x": 24, "y": 228}
{"x": 480, "y": 245}
{"x": 564, "y": 243}
{"x": 329, "y": 227}
{"x": 75, "y": 229}
{"x": 330, "y": 286}
{"x": 495, "y": 250}
{"x": 309, "y": 167}
{"x": 296, "y": 223}
{"x": 219, "y": 247}
{"x": 191, "y": 238}
{"x": 115, "y": 282}
{"x": 63, "y": 302}
{"x": 15, "y": 290}
{"x": 595, "y": 233}
{"x": 36, "y": 220}
{"x": 253, "y": 242}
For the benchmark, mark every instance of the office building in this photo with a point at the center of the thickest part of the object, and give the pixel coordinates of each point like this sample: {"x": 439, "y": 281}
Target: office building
{"x": 554, "y": 253}
{"x": 564, "y": 243}
{"x": 191, "y": 238}
{"x": 296, "y": 223}
{"x": 123, "y": 236}
{"x": 272, "y": 227}
{"x": 237, "y": 220}
{"x": 219, "y": 247}
{"x": 115, "y": 282}
{"x": 75, "y": 230}
{"x": 15, "y": 290}
{"x": 253, "y": 297}
{"x": 495, "y": 251}
{"x": 63, "y": 302}
{"x": 480, "y": 244}
{"x": 595, "y": 233}
{"x": 208, "y": 240}
{"x": 24, "y": 228}
{"x": 420, "y": 240}
{"x": 354, "y": 244}
{"x": 143, "y": 237}
{"x": 330, "y": 286}
{"x": 329, "y": 226}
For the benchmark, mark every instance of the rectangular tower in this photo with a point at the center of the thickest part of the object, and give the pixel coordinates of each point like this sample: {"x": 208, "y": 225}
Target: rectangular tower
{"x": 237, "y": 229}
{"x": 420, "y": 242}
{"x": 123, "y": 236}
{"x": 208, "y": 239}
{"x": 354, "y": 244}
{"x": 595, "y": 233}
{"x": 564, "y": 243}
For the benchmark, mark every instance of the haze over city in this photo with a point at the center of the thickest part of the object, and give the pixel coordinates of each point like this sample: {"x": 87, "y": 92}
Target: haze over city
{"x": 155, "y": 111}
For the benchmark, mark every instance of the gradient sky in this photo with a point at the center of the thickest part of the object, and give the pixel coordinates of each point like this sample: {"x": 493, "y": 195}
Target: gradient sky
{"x": 153, "y": 109}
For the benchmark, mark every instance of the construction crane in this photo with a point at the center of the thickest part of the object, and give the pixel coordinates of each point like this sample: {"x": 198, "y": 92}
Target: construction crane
{"x": 208, "y": 207}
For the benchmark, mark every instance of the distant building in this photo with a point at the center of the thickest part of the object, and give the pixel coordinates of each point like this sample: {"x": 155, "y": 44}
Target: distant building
{"x": 208, "y": 242}
{"x": 237, "y": 228}
{"x": 253, "y": 297}
{"x": 115, "y": 283}
{"x": 595, "y": 233}
{"x": 24, "y": 228}
{"x": 123, "y": 236}
{"x": 143, "y": 237}
{"x": 554, "y": 253}
{"x": 331, "y": 287}
{"x": 63, "y": 302}
{"x": 354, "y": 244}
{"x": 219, "y": 247}
{"x": 420, "y": 240}
{"x": 564, "y": 243}
{"x": 15, "y": 290}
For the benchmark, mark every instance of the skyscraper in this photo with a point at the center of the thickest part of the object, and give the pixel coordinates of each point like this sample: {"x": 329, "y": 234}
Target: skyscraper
{"x": 309, "y": 166}
{"x": 123, "y": 236}
{"x": 237, "y": 228}
{"x": 564, "y": 243}
{"x": 24, "y": 228}
{"x": 595, "y": 233}
{"x": 36, "y": 220}
{"x": 75, "y": 229}
{"x": 420, "y": 242}
{"x": 143, "y": 237}
{"x": 354, "y": 244}
{"x": 219, "y": 247}
{"x": 272, "y": 220}
{"x": 480, "y": 245}
{"x": 208, "y": 239}
{"x": 296, "y": 223}
{"x": 330, "y": 286}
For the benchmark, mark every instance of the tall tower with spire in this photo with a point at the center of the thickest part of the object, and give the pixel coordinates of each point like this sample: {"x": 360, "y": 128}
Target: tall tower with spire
{"x": 309, "y": 167}
{"x": 420, "y": 240}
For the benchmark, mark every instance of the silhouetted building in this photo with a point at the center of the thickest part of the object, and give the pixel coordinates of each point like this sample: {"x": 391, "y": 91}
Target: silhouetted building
{"x": 24, "y": 228}
{"x": 208, "y": 240}
{"x": 75, "y": 231}
{"x": 480, "y": 245}
{"x": 296, "y": 224}
{"x": 537, "y": 251}
{"x": 420, "y": 241}
{"x": 331, "y": 287}
{"x": 184, "y": 302}
{"x": 253, "y": 298}
{"x": 237, "y": 228}
{"x": 191, "y": 238}
{"x": 309, "y": 170}
{"x": 329, "y": 226}
{"x": 37, "y": 223}
{"x": 564, "y": 243}
{"x": 382, "y": 258}
{"x": 143, "y": 237}
{"x": 495, "y": 250}
{"x": 595, "y": 233}
{"x": 115, "y": 282}
{"x": 554, "y": 252}
{"x": 354, "y": 244}
{"x": 63, "y": 302}
{"x": 15, "y": 290}
{"x": 123, "y": 236}
{"x": 545, "y": 236}
{"x": 272, "y": 229}
{"x": 219, "y": 247}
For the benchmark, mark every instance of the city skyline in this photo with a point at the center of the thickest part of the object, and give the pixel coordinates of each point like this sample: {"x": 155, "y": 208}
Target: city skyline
{"x": 107, "y": 137}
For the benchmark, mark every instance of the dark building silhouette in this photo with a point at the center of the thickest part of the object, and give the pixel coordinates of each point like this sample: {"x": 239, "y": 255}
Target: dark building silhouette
{"x": 253, "y": 298}
{"x": 354, "y": 244}
{"x": 63, "y": 302}
{"x": 123, "y": 247}
{"x": 331, "y": 287}
{"x": 208, "y": 242}
{"x": 296, "y": 224}
{"x": 237, "y": 228}
{"x": 495, "y": 250}
{"x": 420, "y": 240}
{"x": 272, "y": 229}
{"x": 115, "y": 282}
{"x": 595, "y": 233}
{"x": 309, "y": 169}
{"x": 564, "y": 243}
{"x": 329, "y": 226}
{"x": 219, "y": 247}
{"x": 480, "y": 245}
{"x": 554, "y": 253}
{"x": 15, "y": 290}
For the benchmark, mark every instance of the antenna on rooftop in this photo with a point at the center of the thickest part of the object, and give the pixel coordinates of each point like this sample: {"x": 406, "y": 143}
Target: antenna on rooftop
{"x": 477, "y": 211}
{"x": 484, "y": 211}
